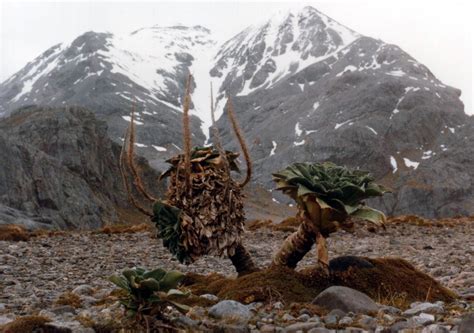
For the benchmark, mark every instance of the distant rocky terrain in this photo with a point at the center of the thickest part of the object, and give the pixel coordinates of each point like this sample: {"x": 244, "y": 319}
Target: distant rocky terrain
{"x": 60, "y": 169}
{"x": 305, "y": 88}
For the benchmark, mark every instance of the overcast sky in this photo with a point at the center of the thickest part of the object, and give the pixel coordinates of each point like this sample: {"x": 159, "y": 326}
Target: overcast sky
{"x": 439, "y": 34}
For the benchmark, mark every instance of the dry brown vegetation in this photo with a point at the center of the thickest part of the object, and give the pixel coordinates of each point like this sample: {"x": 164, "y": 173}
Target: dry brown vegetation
{"x": 26, "y": 324}
{"x": 14, "y": 233}
{"x": 424, "y": 222}
{"x": 69, "y": 298}
{"x": 391, "y": 281}
{"x": 125, "y": 229}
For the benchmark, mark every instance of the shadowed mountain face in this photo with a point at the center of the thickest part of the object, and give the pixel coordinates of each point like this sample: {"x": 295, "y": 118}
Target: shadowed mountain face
{"x": 305, "y": 88}
{"x": 60, "y": 169}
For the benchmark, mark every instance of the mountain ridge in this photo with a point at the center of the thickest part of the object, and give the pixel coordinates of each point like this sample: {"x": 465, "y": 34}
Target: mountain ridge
{"x": 305, "y": 88}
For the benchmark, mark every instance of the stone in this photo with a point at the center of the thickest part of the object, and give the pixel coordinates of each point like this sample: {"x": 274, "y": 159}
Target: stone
{"x": 297, "y": 327}
{"x": 229, "y": 309}
{"x": 398, "y": 326}
{"x": 346, "y": 321}
{"x": 267, "y": 328}
{"x": 435, "y": 328}
{"x": 345, "y": 299}
{"x": 184, "y": 321}
{"x": 277, "y": 305}
{"x": 422, "y": 319}
{"x": 304, "y": 317}
{"x": 319, "y": 330}
{"x": 367, "y": 322}
{"x": 231, "y": 328}
{"x": 59, "y": 310}
{"x": 84, "y": 289}
{"x": 390, "y": 309}
{"x": 210, "y": 297}
{"x": 467, "y": 324}
{"x": 287, "y": 317}
{"x": 426, "y": 307}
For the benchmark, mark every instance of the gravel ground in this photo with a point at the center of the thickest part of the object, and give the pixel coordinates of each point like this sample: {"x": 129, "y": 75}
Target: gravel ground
{"x": 34, "y": 273}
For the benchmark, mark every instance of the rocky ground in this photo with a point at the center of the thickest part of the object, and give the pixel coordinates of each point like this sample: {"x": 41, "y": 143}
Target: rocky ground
{"x": 36, "y": 272}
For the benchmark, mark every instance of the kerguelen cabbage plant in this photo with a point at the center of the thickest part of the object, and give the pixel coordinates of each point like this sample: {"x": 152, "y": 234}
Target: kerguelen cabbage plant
{"x": 326, "y": 195}
{"x": 148, "y": 291}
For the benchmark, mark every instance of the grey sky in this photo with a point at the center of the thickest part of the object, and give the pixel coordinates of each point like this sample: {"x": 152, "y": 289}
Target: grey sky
{"x": 437, "y": 33}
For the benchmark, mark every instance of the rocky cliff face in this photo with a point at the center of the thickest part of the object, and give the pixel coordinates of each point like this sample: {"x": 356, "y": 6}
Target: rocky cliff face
{"x": 60, "y": 169}
{"x": 305, "y": 88}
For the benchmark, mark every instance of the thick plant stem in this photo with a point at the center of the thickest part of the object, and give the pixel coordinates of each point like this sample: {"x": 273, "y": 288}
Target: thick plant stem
{"x": 296, "y": 246}
{"x": 242, "y": 261}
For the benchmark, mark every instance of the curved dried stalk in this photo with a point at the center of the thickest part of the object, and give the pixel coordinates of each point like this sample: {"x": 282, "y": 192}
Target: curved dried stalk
{"x": 240, "y": 138}
{"x": 187, "y": 135}
{"x": 131, "y": 159}
{"x": 122, "y": 165}
{"x": 217, "y": 140}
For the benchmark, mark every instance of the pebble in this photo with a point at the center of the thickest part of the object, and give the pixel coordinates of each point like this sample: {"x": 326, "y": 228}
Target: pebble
{"x": 417, "y": 308}
{"x": 210, "y": 297}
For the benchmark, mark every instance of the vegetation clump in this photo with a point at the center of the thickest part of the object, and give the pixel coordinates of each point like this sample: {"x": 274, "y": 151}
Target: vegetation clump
{"x": 147, "y": 292}
{"x": 391, "y": 281}
{"x": 202, "y": 212}
{"x": 14, "y": 233}
{"x": 329, "y": 197}
{"x": 26, "y": 324}
{"x": 69, "y": 298}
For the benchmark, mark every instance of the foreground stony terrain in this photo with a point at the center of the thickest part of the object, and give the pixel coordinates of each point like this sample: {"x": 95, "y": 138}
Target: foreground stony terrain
{"x": 35, "y": 273}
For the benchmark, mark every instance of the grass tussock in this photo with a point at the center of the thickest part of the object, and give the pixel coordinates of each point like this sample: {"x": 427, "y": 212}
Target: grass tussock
{"x": 423, "y": 222}
{"x": 125, "y": 229}
{"x": 26, "y": 324}
{"x": 69, "y": 298}
{"x": 390, "y": 281}
{"x": 289, "y": 224}
{"x": 14, "y": 233}
{"x": 17, "y": 233}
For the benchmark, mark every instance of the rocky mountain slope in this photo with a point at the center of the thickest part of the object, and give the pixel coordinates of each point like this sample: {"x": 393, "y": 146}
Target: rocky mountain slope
{"x": 309, "y": 89}
{"x": 305, "y": 88}
{"x": 60, "y": 169}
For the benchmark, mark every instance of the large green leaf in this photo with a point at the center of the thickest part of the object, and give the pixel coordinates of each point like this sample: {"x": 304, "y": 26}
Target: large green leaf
{"x": 156, "y": 274}
{"x": 150, "y": 284}
{"x": 120, "y": 282}
{"x": 370, "y": 214}
{"x": 171, "y": 280}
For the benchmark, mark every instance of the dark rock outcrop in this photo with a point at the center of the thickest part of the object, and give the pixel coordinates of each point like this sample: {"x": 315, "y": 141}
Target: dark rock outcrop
{"x": 59, "y": 168}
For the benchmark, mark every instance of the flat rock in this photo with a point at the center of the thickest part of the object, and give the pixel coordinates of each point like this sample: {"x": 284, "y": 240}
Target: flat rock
{"x": 229, "y": 309}
{"x": 345, "y": 299}
{"x": 424, "y": 307}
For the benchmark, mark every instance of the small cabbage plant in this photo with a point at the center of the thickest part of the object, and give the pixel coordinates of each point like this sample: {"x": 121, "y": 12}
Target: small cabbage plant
{"x": 148, "y": 291}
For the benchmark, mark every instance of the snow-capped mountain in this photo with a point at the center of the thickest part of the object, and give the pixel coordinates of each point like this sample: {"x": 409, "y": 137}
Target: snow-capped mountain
{"x": 109, "y": 73}
{"x": 305, "y": 88}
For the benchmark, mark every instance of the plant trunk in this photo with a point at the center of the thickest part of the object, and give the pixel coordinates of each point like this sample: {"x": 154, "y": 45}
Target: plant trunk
{"x": 296, "y": 246}
{"x": 242, "y": 261}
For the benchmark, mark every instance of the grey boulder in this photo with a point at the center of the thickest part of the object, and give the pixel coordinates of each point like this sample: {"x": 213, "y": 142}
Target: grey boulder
{"x": 345, "y": 299}
{"x": 230, "y": 310}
